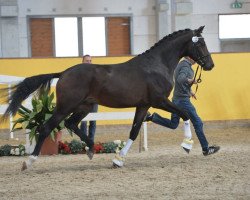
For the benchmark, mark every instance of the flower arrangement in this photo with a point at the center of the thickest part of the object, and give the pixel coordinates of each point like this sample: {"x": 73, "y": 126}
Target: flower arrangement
{"x": 18, "y": 151}
{"x": 98, "y": 148}
{"x": 5, "y": 150}
{"x": 64, "y": 148}
{"x": 109, "y": 147}
{"x": 120, "y": 144}
{"x": 76, "y": 146}
{"x": 73, "y": 147}
{"x": 8, "y": 150}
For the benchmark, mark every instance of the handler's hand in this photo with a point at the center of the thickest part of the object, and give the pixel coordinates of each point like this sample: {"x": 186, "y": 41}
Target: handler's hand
{"x": 192, "y": 81}
{"x": 193, "y": 95}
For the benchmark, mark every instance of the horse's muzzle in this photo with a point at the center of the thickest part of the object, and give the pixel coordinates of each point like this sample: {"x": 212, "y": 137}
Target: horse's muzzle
{"x": 209, "y": 64}
{"x": 208, "y": 67}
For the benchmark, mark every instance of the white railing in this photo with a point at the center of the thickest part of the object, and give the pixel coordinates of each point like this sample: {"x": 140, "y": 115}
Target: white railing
{"x": 10, "y": 80}
{"x": 118, "y": 116}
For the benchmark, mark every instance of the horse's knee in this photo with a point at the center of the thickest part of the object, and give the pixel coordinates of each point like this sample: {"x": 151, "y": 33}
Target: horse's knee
{"x": 174, "y": 126}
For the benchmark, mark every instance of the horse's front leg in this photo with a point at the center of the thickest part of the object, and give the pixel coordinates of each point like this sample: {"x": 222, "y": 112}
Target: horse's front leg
{"x": 167, "y": 105}
{"x": 138, "y": 119}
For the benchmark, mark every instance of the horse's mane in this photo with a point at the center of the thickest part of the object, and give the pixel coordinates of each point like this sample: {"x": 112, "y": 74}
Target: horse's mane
{"x": 167, "y": 38}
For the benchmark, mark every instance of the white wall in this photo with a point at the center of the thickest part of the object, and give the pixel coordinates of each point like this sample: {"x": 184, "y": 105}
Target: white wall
{"x": 205, "y": 12}
{"x": 151, "y": 19}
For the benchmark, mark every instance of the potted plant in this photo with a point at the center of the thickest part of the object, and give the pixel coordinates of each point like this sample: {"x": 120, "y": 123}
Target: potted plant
{"x": 31, "y": 119}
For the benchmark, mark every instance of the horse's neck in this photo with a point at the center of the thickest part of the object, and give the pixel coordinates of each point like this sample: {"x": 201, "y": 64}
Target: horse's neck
{"x": 173, "y": 51}
{"x": 166, "y": 53}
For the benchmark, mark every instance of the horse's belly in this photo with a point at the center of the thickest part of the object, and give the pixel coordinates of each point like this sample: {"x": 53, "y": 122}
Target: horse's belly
{"x": 119, "y": 101}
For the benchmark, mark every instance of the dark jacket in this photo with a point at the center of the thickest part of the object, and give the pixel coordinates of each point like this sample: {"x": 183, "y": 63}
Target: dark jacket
{"x": 183, "y": 72}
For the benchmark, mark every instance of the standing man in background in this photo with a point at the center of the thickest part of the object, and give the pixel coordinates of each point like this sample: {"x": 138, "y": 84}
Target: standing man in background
{"x": 92, "y": 124}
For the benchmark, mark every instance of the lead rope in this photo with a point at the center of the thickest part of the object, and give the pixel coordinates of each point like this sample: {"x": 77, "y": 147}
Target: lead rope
{"x": 198, "y": 80}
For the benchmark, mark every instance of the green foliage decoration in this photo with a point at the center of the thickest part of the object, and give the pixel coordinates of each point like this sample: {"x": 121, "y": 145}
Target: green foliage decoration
{"x": 110, "y": 147}
{"x": 31, "y": 119}
{"x": 5, "y": 150}
{"x": 76, "y": 146}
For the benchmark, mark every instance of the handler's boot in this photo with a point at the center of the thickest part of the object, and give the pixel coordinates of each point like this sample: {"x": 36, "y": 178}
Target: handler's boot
{"x": 211, "y": 150}
{"x": 148, "y": 117}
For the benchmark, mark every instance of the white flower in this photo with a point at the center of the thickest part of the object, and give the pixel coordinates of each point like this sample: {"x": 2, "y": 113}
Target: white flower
{"x": 118, "y": 142}
{"x": 17, "y": 152}
{"x": 12, "y": 151}
{"x": 22, "y": 153}
{"x": 86, "y": 148}
{"x": 117, "y": 150}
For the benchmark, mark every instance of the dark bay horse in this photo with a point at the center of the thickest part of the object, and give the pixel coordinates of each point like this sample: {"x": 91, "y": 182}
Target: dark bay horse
{"x": 142, "y": 82}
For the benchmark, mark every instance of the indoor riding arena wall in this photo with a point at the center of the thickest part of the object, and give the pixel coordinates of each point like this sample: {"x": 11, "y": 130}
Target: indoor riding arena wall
{"x": 163, "y": 172}
{"x": 222, "y": 95}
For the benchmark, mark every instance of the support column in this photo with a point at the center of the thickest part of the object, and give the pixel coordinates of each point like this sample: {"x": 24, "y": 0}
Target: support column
{"x": 162, "y": 19}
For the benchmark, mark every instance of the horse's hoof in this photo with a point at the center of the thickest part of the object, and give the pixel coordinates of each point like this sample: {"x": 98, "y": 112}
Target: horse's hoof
{"x": 187, "y": 150}
{"x": 24, "y": 166}
{"x": 187, "y": 145}
{"x": 117, "y": 163}
{"x": 115, "y": 166}
{"x": 90, "y": 154}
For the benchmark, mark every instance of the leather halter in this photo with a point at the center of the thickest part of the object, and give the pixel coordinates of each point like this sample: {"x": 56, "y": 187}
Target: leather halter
{"x": 200, "y": 58}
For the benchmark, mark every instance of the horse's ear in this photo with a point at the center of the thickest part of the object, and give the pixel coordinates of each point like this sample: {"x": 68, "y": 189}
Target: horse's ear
{"x": 199, "y": 30}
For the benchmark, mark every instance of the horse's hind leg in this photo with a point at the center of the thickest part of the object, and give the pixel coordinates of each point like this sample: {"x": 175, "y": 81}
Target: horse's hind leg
{"x": 138, "y": 119}
{"x": 44, "y": 132}
{"x": 72, "y": 124}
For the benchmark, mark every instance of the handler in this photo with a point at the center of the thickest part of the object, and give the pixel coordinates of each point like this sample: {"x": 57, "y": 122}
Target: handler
{"x": 184, "y": 78}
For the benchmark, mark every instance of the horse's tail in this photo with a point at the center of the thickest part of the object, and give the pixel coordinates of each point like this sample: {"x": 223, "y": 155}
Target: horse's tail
{"x": 21, "y": 91}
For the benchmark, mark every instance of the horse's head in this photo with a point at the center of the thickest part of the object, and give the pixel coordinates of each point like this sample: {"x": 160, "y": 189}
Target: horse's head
{"x": 198, "y": 50}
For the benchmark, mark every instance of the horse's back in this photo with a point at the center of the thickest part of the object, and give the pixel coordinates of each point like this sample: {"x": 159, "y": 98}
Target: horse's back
{"x": 118, "y": 85}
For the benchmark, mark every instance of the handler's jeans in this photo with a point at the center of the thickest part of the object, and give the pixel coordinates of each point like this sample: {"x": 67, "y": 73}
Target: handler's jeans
{"x": 92, "y": 126}
{"x": 186, "y": 105}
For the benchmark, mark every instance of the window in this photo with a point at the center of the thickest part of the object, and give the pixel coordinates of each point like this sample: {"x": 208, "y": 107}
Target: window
{"x": 66, "y": 36}
{"x": 93, "y": 34}
{"x": 76, "y": 36}
{"x": 234, "y": 26}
